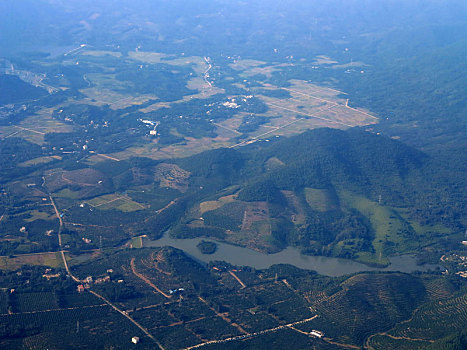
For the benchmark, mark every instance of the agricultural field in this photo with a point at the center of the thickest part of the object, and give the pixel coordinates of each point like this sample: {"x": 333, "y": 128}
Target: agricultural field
{"x": 181, "y": 304}
{"x": 106, "y": 110}
{"x": 114, "y": 201}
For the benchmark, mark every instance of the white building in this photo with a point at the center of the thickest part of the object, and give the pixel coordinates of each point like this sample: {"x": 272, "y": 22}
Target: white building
{"x": 135, "y": 340}
{"x": 317, "y": 334}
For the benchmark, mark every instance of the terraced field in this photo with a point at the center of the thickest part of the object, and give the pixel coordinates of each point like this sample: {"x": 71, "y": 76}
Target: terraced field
{"x": 435, "y": 320}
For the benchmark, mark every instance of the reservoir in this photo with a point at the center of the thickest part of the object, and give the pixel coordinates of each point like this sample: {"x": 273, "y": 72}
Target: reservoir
{"x": 328, "y": 266}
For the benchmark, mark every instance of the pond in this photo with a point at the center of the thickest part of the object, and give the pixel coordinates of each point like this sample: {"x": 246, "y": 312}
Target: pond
{"x": 240, "y": 256}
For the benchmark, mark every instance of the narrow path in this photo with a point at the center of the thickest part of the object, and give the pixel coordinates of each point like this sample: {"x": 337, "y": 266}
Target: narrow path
{"x": 206, "y": 72}
{"x": 110, "y": 201}
{"x": 166, "y": 207}
{"x": 105, "y": 156}
{"x": 34, "y": 131}
{"x": 226, "y": 319}
{"x": 299, "y": 331}
{"x": 255, "y": 138}
{"x": 288, "y": 284}
{"x": 332, "y": 102}
{"x": 308, "y": 95}
{"x": 65, "y": 263}
{"x": 128, "y": 317}
{"x": 250, "y": 335}
{"x": 13, "y": 134}
{"x": 85, "y": 78}
{"x": 226, "y": 128}
{"x": 89, "y": 290}
{"x": 238, "y": 279}
{"x": 310, "y": 115}
{"x": 347, "y": 346}
{"x": 75, "y": 50}
{"x": 368, "y": 346}
{"x": 53, "y": 310}
{"x": 60, "y": 228}
{"x": 145, "y": 279}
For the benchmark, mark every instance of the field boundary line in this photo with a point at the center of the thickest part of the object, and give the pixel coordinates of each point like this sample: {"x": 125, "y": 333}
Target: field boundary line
{"x": 53, "y": 310}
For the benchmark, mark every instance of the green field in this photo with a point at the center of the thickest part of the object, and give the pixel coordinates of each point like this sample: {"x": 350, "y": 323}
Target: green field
{"x": 320, "y": 200}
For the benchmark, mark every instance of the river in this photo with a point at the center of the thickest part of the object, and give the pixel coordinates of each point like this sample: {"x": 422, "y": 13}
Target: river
{"x": 328, "y": 266}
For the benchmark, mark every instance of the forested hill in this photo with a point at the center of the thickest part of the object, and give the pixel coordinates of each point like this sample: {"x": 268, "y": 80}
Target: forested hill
{"x": 352, "y": 193}
{"x": 356, "y": 160}
{"x": 371, "y": 165}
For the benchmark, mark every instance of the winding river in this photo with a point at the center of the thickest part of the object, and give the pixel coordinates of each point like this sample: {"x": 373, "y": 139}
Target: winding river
{"x": 240, "y": 256}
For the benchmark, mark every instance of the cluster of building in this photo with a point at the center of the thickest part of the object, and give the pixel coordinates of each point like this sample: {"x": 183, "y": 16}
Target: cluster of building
{"x": 88, "y": 281}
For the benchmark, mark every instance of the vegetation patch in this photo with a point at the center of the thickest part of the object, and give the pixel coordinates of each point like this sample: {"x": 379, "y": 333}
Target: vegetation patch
{"x": 321, "y": 200}
{"x": 207, "y": 247}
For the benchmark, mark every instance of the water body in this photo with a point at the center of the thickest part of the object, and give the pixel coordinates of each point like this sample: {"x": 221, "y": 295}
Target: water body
{"x": 240, "y": 256}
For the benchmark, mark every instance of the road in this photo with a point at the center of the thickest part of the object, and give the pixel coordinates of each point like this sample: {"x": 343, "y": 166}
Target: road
{"x": 309, "y": 115}
{"x": 266, "y": 133}
{"x": 226, "y": 128}
{"x": 221, "y": 315}
{"x": 368, "y": 346}
{"x": 75, "y": 50}
{"x": 334, "y": 103}
{"x": 145, "y": 279}
{"x": 206, "y": 73}
{"x": 62, "y": 252}
{"x": 251, "y": 335}
{"x": 105, "y": 156}
{"x": 54, "y": 310}
{"x": 34, "y": 131}
{"x": 166, "y": 207}
{"x": 238, "y": 279}
{"x": 77, "y": 280}
{"x": 123, "y": 313}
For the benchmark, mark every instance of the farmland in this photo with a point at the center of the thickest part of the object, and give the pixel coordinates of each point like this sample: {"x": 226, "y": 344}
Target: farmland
{"x": 329, "y": 135}
{"x": 212, "y": 307}
{"x": 98, "y": 116}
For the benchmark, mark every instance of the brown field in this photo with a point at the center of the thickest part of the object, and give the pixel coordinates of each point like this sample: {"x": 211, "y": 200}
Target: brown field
{"x": 98, "y": 53}
{"x": 115, "y": 201}
{"x": 105, "y": 96}
{"x": 191, "y": 147}
{"x": 34, "y": 128}
{"x": 298, "y": 216}
{"x": 321, "y": 59}
{"x": 26, "y": 189}
{"x": 41, "y": 215}
{"x": 242, "y": 65}
{"x": 147, "y": 57}
{"x": 39, "y": 160}
{"x": 253, "y": 213}
{"x": 213, "y": 205}
{"x": 320, "y": 200}
{"x": 88, "y": 180}
{"x": 255, "y": 230}
{"x": 310, "y": 106}
{"x": 172, "y": 176}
